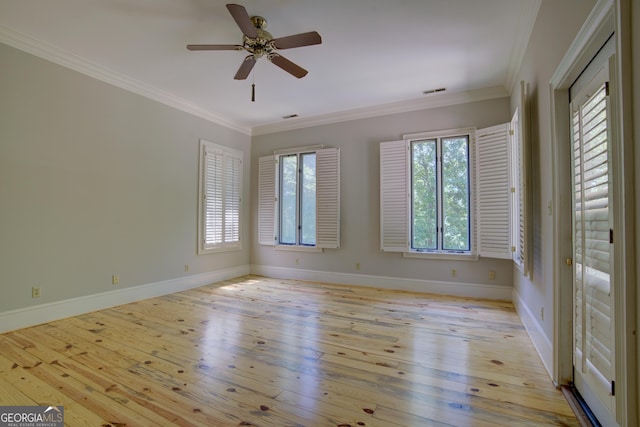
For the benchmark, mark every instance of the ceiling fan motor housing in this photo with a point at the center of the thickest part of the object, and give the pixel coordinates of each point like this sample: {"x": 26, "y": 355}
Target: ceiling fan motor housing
{"x": 262, "y": 44}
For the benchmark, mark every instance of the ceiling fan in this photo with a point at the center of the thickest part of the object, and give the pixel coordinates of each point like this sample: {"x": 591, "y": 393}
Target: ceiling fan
{"x": 259, "y": 42}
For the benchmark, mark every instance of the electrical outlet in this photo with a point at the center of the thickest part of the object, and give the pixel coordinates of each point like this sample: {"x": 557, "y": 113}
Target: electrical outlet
{"x": 35, "y": 292}
{"x": 186, "y": 268}
{"x": 115, "y": 279}
{"x": 492, "y": 275}
{"x": 297, "y": 261}
{"x": 454, "y": 273}
{"x": 357, "y": 266}
{"x": 541, "y": 313}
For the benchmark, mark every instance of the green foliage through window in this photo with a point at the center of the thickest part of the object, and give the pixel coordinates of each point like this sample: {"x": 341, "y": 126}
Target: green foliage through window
{"x": 440, "y": 194}
{"x": 298, "y": 199}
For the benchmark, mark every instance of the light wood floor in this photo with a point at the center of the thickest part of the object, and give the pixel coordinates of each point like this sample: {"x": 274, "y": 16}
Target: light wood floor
{"x": 265, "y": 352}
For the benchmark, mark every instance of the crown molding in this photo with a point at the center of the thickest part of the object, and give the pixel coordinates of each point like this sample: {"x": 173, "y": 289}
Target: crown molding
{"x": 75, "y": 62}
{"x": 430, "y": 101}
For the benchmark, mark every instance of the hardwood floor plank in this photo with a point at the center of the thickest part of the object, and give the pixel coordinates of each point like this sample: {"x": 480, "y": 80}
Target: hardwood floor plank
{"x": 271, "y": 352}
{"x": 38, "y": 392}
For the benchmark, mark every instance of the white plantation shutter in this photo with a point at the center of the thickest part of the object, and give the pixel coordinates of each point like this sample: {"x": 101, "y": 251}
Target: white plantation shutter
{"x": 267, "y": 173}
{"x": 328, "y": 198}
{"x": 518, "y": 167}
{"x": 592, "y": 244}
{"x": 213, "y": 198}
{"x": 524, "y": 184}
{"x": 515, "y": 177}
{"x": 394, "y": 196}
{"x": 232, "y": 198}
{"x": 220, "y": 198}
{"x": 493, "y": 192}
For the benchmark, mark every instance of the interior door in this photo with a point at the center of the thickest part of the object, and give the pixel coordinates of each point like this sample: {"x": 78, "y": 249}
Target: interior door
{"x": 593, "y": 329}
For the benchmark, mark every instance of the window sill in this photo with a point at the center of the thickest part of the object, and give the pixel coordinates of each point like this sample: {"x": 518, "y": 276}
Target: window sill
{"x": 449, "y": 256}
{"x": 219, "y": 249}
{"x": 296, "y": 248}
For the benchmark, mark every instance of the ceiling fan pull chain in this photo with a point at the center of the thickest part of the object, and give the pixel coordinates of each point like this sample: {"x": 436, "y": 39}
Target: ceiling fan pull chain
{"x": 253, "y": 86}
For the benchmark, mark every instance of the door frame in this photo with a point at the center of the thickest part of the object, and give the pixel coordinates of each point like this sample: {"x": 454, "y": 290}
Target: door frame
{"x": 607, "y": 17}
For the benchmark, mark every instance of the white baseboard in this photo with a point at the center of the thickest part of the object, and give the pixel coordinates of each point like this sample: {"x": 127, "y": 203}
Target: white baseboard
{"x": 540, "y": 340}
{"x": 469, "y": 290}
{"x": 31, "y": 316}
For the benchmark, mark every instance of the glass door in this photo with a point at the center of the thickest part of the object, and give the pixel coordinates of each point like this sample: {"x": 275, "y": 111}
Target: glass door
{"x": 593, "y": 320}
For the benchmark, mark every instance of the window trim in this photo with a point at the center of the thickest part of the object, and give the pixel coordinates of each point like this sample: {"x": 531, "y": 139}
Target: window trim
{"x": 227, "y": 155}
{"x": 299, "y": 155}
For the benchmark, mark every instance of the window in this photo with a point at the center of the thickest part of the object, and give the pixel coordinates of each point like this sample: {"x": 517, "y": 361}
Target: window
{"x": 440, "y": 194}
{"x": 220, "y": 199}
{"x": 299, "y": 198}
{"x": 446, "y": 193}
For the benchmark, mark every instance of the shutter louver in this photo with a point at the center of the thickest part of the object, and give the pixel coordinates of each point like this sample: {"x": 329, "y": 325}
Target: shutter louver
{"x": 266, "y": 200}
{"x": 328, "y": 198}
{"x": 214, "y": 199}
{"x": 232, "y": 199}
{"x": 394, "y": 193}
{"x": 493, "y": 192}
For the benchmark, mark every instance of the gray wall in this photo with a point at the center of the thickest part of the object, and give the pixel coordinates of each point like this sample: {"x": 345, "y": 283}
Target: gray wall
{"x": 95, "y": 181}
{"x": 359, "y": 142}
{"x": 557, "y": 24}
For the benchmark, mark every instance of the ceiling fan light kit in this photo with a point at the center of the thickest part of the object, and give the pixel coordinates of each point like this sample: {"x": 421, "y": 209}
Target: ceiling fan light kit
{"x": 259, "y": 42}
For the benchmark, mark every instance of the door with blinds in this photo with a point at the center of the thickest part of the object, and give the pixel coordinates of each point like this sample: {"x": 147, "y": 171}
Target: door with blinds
{"x": 593, "y": 337}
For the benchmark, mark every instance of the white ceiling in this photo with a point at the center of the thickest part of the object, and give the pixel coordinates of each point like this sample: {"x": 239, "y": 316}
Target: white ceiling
{"x": 375, "y": 56}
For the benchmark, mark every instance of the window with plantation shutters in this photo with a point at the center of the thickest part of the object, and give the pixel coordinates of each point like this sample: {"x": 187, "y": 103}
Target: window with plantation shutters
{"x": 450, "y": 193}
{"x": 426, "y": 194}
{"x": 299, "y": 198}
{"x": 220, "y": 202}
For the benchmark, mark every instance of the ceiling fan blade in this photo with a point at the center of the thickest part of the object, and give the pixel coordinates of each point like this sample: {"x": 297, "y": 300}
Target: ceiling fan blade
{"x": 214, "y": 47}
{"x": 241, "y": 17}
{"x": 245, "y": 68}
{"x": 297, "y": 40}
{"x": 288, "y": 66}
